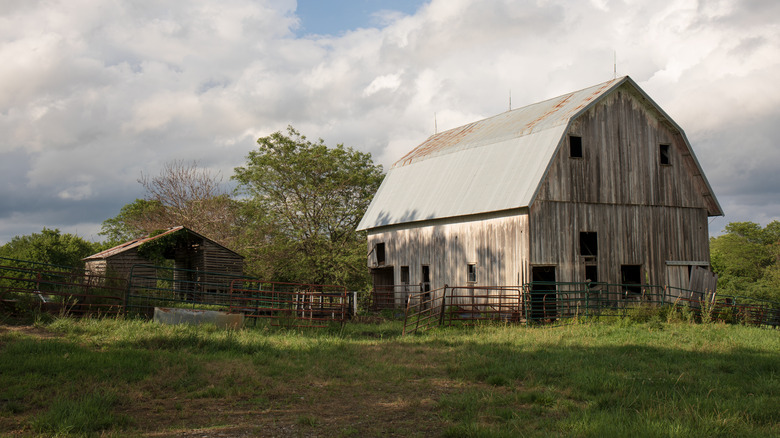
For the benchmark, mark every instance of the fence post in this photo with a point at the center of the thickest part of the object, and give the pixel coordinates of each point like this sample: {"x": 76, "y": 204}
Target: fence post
{"x": 587, "y": 298}
{"x": 443, "y": 305}
{"x": 127, "y": 290}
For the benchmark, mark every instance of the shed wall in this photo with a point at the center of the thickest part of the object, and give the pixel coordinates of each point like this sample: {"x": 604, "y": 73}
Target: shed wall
{"x": 121, "y": 264}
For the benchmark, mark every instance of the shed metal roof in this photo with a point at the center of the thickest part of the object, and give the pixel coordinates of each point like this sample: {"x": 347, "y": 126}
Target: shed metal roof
{"x": 466, "y": 177}
{"x": 135, "y": 243}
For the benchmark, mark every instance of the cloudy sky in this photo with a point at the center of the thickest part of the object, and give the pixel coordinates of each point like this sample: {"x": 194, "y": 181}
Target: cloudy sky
{"x": 94, "y": 92}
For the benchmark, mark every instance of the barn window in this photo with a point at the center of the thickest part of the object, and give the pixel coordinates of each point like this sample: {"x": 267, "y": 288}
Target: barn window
{"x": 404, "y": 275}
{"x": 631, "y": 278}
{"x": 589, "y": 243}
{"x": 380, "y": 253}
{"x": 575, "y": 146}
{"x": 664, "y": 154}
{"x": 471, "y": 272}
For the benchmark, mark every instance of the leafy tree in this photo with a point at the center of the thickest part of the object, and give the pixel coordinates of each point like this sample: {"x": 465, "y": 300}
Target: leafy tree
{"x": 307, "y": 201}
{"x": 134, "y": 220}
{"x": 49, "y": 246}
{"x": 747, "y": 260}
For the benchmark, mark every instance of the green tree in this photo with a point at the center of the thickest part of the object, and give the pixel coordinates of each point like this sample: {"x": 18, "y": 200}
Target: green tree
{"x": 134, "y": 220}
{"x": 49, "y": 246}
{"x": 746, "y": 259}
{"x": 307, "y": 201}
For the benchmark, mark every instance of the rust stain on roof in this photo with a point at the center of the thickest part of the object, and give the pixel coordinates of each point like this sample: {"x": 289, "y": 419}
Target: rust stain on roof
{"x": 131, "y": 244}
{"x": 514, "y": 123}
{"x": 438, "y": 142}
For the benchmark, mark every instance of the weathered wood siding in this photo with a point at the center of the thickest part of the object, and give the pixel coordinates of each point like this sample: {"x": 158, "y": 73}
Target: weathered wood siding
{"x": 121, "y": 264}
{"x": 627, "y": 235}
{"x": 496, "y": 243}
{"x": 621, "y": 160}
{"x": 645, "y": 213}
{"x": 217, "y": 259}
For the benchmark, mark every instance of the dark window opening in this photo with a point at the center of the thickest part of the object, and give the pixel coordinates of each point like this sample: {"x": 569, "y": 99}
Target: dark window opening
{"x": 380, "y": 253}
{"x": 472, "y": 273}
{"x": 426, "y": 287}
{"x": 631, "y": 278}
{"x": 591, "y": 273}
{"x": 589, "y": 243}
{"x": 404, "y": 275}
{"x": 664, "y": 150}
{"x": 543, "y": 296}
{"x": 575, "y": 146}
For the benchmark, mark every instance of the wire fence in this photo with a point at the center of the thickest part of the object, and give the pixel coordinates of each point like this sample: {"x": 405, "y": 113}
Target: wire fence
{"x": 60, "y": 290}
{"x": 29, "y": 287}
{"x": 290, "y": 304}
{"x": 555, "y": 302}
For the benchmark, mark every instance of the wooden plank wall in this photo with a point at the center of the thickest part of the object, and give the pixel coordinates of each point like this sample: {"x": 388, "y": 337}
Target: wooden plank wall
{"x": 219, "y": 260}
{"x": 621, "y": 160}
{"x": 120, "y": 265}
{"x": 497, "y": 244}
{"x": 627, "y": 235}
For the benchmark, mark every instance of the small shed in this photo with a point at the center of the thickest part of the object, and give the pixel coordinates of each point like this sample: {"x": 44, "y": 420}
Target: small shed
{"x": 197, "y": 260}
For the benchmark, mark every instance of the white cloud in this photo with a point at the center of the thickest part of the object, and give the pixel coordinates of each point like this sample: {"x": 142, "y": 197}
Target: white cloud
{"x": 388, "y": 83}
{"x": 93, "y": 92}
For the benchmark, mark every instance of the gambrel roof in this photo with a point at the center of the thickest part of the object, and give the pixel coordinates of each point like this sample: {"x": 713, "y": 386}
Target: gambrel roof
{"x": 493, "y": 164}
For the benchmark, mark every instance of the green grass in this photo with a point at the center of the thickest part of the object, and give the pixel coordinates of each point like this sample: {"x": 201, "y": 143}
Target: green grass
{"x": 626, "y": 378}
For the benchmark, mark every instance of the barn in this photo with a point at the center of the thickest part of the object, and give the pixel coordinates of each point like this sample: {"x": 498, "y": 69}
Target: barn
{"x": 198, "y": 262}
{"x": 597, "y": 185}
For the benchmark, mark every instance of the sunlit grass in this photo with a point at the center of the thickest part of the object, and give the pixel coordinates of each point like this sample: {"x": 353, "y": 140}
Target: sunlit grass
{"x": 608, "y": 379}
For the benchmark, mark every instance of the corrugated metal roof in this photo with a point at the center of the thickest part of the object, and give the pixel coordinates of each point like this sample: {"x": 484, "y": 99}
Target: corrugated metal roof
{"x": 135, "y": 243}
{"x": 511, "y": 124}
{"x": 138, "y": 242}
{"x": 467, "y": 178}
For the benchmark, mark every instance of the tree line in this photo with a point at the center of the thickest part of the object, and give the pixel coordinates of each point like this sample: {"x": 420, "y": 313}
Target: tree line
{"x": 747, "y": 260}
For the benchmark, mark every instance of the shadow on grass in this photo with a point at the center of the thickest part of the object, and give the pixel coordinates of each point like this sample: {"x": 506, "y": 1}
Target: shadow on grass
{"x": 504, "y": 382}
{"x": 619, "y": 390}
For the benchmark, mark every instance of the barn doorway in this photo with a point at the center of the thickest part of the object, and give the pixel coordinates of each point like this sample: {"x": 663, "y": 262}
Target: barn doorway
{"x": 426, "y": 285}
{"x": 384, "y": 291}
{"x": 543, "y": 300}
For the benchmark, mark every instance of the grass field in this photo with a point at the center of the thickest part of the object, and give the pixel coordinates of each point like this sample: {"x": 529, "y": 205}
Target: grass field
{"x": 133, "y": 378}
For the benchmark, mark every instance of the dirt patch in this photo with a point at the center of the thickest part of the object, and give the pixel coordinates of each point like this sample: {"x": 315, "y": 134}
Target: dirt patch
{"x": 30, "y": 330}
{"x": 348, "y": 412}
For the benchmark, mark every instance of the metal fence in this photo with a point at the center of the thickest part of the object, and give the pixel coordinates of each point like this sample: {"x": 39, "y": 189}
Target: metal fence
{"x": 152, "y": 286}
{"x": 424, "y": 310}
{"x": 553, "y": 302}
{"x": 27, "y": 286}
{"x": 392, "y": 296}
{"x": 31, "y": 287}
{"x": 290, "y": 304}
{"x": 466, "y": 305}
